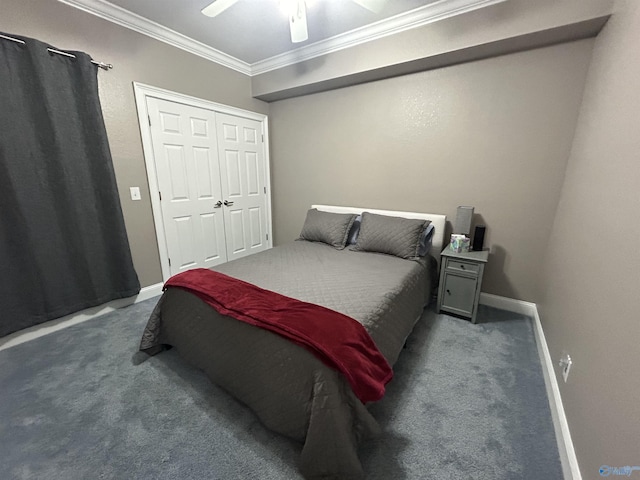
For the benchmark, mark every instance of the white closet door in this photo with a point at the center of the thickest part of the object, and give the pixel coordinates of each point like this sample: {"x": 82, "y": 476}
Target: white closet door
{"x": 186, "y": 159}
{"x": 243, "y": 176}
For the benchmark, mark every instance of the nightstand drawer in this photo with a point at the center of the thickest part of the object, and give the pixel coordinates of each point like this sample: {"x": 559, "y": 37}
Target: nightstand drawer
{"x": 460, "y": 266}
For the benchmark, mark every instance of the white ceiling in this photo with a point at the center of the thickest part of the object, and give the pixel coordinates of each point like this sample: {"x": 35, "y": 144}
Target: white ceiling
{"x": 252, "y": 36}
{"x": 254, "y": 30}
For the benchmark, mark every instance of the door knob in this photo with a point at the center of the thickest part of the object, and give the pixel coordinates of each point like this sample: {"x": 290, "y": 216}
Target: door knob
{"x": 228, "y": 203}
{"x": 218, "y": 204}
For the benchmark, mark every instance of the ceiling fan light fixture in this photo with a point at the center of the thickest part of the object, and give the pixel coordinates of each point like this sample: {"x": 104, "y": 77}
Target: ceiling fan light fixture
{"x": 298, "y": 21}
{"x": 216, "y": 8}
{"x": 289, "y": 7}
{"x": 296, "y": 11}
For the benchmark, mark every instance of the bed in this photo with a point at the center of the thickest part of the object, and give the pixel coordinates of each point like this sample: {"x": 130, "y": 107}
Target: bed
{"x": 292, "y": 390}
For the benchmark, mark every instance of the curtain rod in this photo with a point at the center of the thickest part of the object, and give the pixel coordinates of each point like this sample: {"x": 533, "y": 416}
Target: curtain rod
{"x": 104, "y": 66}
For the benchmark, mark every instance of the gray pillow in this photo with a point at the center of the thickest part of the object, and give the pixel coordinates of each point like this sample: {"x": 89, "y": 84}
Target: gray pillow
{"x": 327, "y": 227}
{"x": 392, "y": 235}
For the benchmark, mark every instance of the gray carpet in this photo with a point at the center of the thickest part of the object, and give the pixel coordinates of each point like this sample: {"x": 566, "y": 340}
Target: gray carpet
{"x": 467, "y": 402}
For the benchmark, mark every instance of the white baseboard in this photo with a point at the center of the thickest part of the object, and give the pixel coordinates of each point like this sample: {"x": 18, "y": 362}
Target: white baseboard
{"x": 508, "y": 304}
{"x": 570, "y": 467}
{"x": 59, "y": 323}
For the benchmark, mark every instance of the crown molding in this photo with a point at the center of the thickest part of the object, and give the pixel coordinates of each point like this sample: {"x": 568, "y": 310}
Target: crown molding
{"x": 418, "y": 17}
{"x": 137, "y": 23}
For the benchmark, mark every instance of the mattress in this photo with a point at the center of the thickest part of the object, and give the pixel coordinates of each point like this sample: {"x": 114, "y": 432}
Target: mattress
{"x": 289, "y": 389}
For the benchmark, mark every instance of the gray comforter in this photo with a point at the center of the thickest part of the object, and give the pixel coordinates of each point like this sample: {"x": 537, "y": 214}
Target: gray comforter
{"x": 290, "y": 390}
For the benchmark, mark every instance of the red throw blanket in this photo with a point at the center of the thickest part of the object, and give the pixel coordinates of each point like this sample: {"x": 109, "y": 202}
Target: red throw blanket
{"x": 338, "y": 340}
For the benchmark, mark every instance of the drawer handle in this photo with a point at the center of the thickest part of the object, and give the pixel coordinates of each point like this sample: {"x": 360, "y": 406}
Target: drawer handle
{"x": 462, "y": 267}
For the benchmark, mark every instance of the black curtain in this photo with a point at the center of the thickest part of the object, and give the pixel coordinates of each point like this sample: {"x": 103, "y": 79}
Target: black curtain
{"x": 63, "y": 244}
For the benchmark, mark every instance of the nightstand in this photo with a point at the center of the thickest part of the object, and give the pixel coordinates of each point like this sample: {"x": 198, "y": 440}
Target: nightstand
{"x": 460, "y": 282}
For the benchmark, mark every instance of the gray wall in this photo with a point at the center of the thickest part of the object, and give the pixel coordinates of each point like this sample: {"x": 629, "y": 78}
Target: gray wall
{"x": 135, "y": 58}
{"x": 591, "y": 302}
{"x": 501, "y": 28}
{"x": 494, "y": 134}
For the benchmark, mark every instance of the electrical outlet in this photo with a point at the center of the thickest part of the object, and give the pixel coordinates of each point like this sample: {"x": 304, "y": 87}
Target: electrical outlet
{"x": 565, "y": 364}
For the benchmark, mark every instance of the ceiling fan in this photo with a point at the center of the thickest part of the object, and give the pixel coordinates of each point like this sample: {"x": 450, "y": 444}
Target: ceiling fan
{"x": 296, "y": 11}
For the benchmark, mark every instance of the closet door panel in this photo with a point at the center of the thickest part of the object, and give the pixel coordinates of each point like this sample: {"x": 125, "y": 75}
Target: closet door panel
{"x": 243, "y": 178}
{"x": 188, "y": 173}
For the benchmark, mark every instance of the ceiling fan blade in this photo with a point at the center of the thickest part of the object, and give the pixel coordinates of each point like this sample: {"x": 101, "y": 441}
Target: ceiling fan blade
{"x": 217, "y": 7}
{"x": 298, "y": 22}
{"x": 372, "y": 5}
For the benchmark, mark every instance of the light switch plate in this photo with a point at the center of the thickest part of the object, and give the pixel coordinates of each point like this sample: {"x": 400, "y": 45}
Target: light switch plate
{"x": 135, "y": 193}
